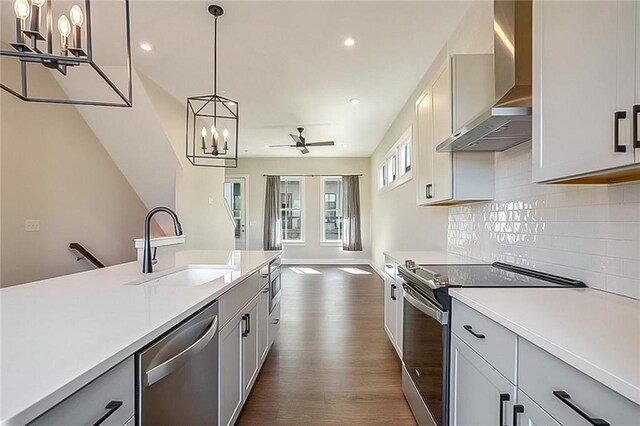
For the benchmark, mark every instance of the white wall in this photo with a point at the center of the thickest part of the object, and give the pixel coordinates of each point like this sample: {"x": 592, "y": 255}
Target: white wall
{"x": 255, "y": 168}
{"x": 54, "y": 169}
{"x": 397, "y": 222}
{"x": 591, "y": 233}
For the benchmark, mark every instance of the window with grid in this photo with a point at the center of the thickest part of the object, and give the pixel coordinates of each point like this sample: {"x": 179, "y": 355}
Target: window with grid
{"x": 332, "y": 209}
{"x": 291, "y": 209}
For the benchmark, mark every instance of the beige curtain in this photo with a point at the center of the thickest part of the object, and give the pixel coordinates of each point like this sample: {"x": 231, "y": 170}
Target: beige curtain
{"x": 272, "y": 239}
{"x": 351, "y": 236}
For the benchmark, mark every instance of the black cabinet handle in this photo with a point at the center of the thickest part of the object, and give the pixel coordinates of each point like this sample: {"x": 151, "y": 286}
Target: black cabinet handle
{"x": 504, "y": 397}
{"x": 617, "y": 116}
{"x": 472, "y": 331}
{"x": 517, "y": 409}
{"x": 636, "y": 116}
{"x": 566, "y": 399}
{"x": 111, "y": 408}
{"x": 247, "y": 325}
{"x": 428, "y": 193}
{"x": 393, "y": 292}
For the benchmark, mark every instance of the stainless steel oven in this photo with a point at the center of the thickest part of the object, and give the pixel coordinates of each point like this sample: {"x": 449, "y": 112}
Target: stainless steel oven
{"x": 275, "y": 284}
{"x": 425, "y": 346}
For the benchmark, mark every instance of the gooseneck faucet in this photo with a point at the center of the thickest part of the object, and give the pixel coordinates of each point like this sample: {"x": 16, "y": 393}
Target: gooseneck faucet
{"x": 147, "y": 263}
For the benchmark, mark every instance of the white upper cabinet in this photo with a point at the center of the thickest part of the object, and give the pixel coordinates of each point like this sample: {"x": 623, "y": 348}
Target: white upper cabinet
{"x": 462, "y": 88}
{"x": 584, "y": 84}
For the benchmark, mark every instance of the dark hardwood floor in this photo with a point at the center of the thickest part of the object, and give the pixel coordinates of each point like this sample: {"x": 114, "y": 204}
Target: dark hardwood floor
{"x": 332, "y": 362}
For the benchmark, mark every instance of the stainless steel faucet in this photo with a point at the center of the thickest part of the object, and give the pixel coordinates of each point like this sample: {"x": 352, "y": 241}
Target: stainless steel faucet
{"x": 147, "y": 263}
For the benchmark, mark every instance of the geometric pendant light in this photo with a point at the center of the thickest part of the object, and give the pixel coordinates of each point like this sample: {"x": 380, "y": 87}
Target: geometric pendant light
{"x": 212, "y": 120}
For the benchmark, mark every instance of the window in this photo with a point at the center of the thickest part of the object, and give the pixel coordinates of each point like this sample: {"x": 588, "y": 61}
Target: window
{"x": 332, "y": 209}
{"x": 291, "y": 195}
{"x": 396, "y": 167}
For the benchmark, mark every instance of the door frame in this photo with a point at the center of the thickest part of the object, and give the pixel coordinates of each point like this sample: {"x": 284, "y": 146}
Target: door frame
{"x": 246, "y": 204}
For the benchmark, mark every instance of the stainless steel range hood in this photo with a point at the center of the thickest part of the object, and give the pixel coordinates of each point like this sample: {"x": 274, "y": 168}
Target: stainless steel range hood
{"x": 508, "y": 122}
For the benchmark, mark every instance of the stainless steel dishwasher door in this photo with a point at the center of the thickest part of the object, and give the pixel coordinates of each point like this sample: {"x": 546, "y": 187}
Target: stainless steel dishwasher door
{"x": 177, "y": 381}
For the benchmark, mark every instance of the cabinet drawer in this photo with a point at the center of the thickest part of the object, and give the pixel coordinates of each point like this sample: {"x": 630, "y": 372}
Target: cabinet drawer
{"x": 274, "y": 323}
{"x": 492, "y": 341}
{"x": 542, "y": 374}
{"x": 230, "y": 303}
{"x": 113, "y": 392}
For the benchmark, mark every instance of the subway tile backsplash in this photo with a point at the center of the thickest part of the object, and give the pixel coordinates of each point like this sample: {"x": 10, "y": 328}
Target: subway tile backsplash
{"x": 591, "y": 233}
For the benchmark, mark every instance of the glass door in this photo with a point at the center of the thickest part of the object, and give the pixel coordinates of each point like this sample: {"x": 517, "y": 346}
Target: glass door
{"x": 235, "y": 197}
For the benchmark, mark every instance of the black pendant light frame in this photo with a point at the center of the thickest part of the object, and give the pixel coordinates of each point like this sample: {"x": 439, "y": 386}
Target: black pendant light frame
{"x": 198, "y": 107}
{"x": 31, "y": 53}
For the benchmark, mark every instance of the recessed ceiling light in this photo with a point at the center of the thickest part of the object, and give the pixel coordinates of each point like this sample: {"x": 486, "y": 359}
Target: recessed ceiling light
{"x": 349, "y": 41}
{"x": 146, "y": 46}
{"x": 344, "y": 146}
{"x": 223, "y": 91}
{"x": 231, "y": 103}
{"x": 354, "y": 101}
{"x": 266, "y": 146}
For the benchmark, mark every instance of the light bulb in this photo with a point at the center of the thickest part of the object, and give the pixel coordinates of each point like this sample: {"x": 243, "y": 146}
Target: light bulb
{"x": 38, "y": 3}
{"x": 77, "y": 17}
{"x": 225, "y": 133}
{"x": 21, "y": 8}
{"x": 64, "y": 26}
{"x": 213, "y": 130}
{"x": 204, "y": 132}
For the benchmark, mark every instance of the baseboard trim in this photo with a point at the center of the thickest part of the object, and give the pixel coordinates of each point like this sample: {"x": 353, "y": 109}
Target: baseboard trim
{"x": 326, "y": 261}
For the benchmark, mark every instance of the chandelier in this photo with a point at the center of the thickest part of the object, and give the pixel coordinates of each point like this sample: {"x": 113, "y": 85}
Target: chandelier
{"x": 212, "y": 120}
{"x": 36, "y": 42}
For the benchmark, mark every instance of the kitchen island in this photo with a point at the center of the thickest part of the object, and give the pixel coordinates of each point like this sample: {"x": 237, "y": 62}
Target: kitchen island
{"x": 60, "y": 334}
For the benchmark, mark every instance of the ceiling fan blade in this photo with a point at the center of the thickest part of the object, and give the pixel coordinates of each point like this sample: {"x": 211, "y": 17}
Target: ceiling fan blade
{"x": 281, "y": 146}
{"x": 326, "y": 143}
{"x": 305, "y": 151}
{"x": 295, "y": 138}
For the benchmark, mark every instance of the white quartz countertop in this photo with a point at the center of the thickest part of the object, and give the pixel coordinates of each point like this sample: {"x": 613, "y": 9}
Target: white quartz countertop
{"x": 430, "y": 257}
{"x": 57, "y": 335}
{"x": 596, "y": 332}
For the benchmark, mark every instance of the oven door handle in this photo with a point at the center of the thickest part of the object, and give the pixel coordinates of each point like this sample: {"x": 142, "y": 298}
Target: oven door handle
{"x": 424, "y": 306}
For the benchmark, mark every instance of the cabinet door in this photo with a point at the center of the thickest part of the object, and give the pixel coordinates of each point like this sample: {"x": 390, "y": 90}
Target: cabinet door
{"x": 531, "y": 414}
{"x": 424, "y": 147}
{"x": 442, "y": 162}
{"x": 399, "y": 313}
{"x": 250, "y": 350}
{"x": 390, "y": 304}
{"x": 263, "y": 324}
{"x": 583, "y": 62}
{"x": 230, "y": 368}
{"x": 479, "y": 394}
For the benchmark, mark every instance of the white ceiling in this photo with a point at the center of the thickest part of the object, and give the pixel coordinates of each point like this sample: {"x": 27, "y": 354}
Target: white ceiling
{"x": 286, "y": 65}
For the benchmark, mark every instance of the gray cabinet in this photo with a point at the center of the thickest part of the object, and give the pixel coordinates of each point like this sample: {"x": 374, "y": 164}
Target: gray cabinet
{"x": 531, "y": 414}
{"x": 479, "y": 395}
{"x": 230, "y": 382}
{"x": 110, "y": 397}
{"x": 250, "y": 349}
{"x": 263, "y": 324}
{"x": 390, "y": 308}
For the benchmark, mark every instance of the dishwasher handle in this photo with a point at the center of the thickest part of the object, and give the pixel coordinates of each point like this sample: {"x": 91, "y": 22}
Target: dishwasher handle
{"x": 161, "y": 371}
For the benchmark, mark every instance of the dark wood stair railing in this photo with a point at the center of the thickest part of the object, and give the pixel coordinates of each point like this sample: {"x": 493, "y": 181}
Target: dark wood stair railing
{"x": 86, "y": 254}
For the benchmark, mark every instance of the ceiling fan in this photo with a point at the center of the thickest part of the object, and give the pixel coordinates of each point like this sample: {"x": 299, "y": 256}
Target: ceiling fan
{"x": 301, "y": 143}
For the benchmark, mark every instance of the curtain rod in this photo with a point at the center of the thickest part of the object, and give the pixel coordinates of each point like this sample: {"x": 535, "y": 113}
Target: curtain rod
{"x": 317, "y": 175}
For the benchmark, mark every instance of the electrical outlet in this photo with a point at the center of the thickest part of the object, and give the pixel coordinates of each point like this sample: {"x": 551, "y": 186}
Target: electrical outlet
{"x": 210, "y": 201}
{"x": 32, "y": 225}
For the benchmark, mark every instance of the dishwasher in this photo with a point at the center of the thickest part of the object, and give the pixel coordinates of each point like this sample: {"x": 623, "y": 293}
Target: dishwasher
{"x": 177, "y": 375}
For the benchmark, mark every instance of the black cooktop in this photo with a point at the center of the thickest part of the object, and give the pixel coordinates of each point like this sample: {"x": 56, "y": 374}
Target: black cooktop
{"x": 494, "y": 275}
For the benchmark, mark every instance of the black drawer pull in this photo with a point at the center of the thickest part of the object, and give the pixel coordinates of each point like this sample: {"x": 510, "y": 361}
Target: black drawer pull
{"x": 111, "y": 408}
{"x": 566, "y": 399}
{"x": 393, "y": 292}
{"x": 247, "y": 325}
{"x": 428, "y": 193}
{"x": 517, "y": 409}
{"x": 504, "y": 397}
{"x": 617, "y": 116}
{"x": 472, "y": 331}
{"x": 636, "y": 117}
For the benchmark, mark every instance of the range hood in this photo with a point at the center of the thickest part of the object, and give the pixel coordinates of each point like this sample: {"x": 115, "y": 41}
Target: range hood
{"x": 508, "y": 122}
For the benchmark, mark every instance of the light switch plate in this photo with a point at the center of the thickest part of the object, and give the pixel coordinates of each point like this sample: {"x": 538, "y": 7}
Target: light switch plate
{"x": 32, "y": 225}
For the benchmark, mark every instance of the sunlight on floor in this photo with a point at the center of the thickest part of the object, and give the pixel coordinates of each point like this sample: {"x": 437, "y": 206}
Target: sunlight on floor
{"x": 355, "y": 271}
{"x": 309, "y": 271}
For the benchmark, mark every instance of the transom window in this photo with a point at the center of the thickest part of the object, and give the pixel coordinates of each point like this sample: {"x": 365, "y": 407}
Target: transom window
{"x": 396, "y": 167}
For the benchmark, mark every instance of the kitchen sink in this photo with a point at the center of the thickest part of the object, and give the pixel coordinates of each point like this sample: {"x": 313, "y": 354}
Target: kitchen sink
{"x": 188, "y": 277}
